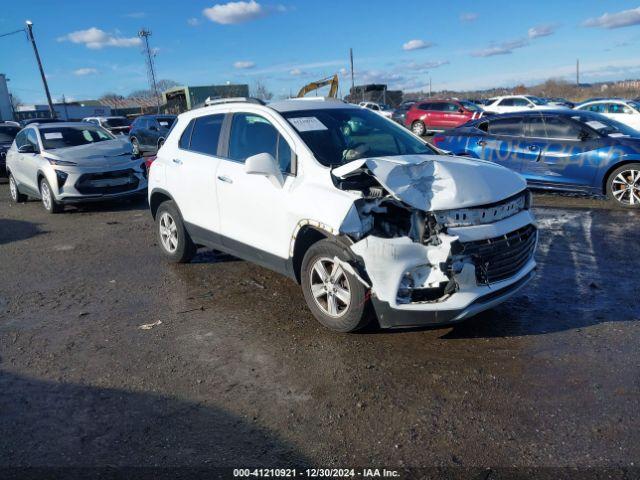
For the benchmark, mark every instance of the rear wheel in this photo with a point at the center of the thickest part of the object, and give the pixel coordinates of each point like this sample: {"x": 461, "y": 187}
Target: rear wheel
{"x": 335, "y": 297}
{"x": 623, "y": 185}
{"x": 418, "y": 128}
{"x": 174, "y": 240}
{"x": 16, "y": 196}
{"x": 48, "y": 200}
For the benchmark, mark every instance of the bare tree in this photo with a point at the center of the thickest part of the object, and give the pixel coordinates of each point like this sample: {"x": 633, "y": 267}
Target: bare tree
{"x": 260, "y": 91}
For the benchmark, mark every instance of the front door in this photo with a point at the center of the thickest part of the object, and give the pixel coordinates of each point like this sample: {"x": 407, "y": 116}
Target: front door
{"x": 503, "y": 142}
{"x": 252, "y": 208}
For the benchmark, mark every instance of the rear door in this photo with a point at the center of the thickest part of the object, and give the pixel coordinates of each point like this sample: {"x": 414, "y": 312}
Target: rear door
{"x": 191, "y": 175}
{"x": 557, "y": 152}
{"x": 503, "y": 142}
{"x": 253, "y": 213}
{"x": 454, "y": 115}
{"x": 28, "y": 162}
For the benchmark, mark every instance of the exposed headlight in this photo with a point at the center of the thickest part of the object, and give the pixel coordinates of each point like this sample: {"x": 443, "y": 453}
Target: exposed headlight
{"x": 60, "y": 163}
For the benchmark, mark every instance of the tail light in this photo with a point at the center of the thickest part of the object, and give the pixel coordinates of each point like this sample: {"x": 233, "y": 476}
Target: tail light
{"x": 437, "y": 139}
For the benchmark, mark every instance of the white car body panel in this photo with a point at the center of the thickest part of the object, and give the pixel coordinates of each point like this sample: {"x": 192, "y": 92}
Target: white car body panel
{"x": 631, "y": 119}
{"x": 495, "y": 106}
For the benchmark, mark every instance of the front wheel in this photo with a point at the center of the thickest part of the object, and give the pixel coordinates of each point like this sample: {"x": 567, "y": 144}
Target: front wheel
{"x": 335, "y": 297}
{"x": 175, "y": 242}
{"x": 623, "y": 185}
{"x": 418, "y": 128}
{"x": 48, "y": 200}
{"x": 16, "y": 196}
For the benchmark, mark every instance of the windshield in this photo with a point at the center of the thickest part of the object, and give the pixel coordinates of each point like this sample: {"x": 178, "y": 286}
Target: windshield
{"x": 604, "y": 125}
{"x": 64, "y": 137}
{"x": 341, "y": 135}
{"x": 472, "y": 107}
{"x": 634, "y": 104}
{"x": 116, "y": 122}
{"x": 537, "y": 100}
{"x": 8, "y": 133}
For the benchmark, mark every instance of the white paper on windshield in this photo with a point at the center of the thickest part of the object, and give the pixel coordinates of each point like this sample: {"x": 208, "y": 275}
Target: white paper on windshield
{"x": 164, "y": 124}
{"x": 596, "y": 125}
{"x": 307, "y": 124}
{"x": 53, "y": 136}
{"x": 617, "y": 135}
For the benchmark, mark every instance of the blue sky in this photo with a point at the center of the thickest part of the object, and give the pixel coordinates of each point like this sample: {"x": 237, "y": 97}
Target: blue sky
{"x": 89, "y": 48}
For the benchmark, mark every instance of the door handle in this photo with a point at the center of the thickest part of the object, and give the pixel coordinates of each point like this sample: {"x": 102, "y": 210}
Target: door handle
{"x": 482, "y": 143}
{"x": 177, "y": 161}
{"x": 533, "y": 148}
{"x": 224, "y": 179}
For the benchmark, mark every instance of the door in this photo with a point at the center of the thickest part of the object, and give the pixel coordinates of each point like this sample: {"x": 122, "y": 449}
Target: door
{"x": 152, "y": 133}
{"x": 454, "y": 115}
{"x": 25, "y": 170}
{"x": 253, "y": 211}
{"x": 559, "y": 154}
{"x": 503, "y": 142}
{"x": 191, "y": 174}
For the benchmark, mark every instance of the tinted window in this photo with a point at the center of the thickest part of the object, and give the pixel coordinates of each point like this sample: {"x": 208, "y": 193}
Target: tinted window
{"x": 535, "y": 127}
{"x": 511, "y": 126}
{"x": 32, "y": 138}
{"x": 251, "y": 134}
{"x": 451, "y": 107}
{"x": 438, "y": 107}
{"x": 618, "y": 108}
{"x": 521, "y": 102}
{"x": 507, "y": 102}
{"x": 558, "y": 128}
{"x": 164, "y": 122}
{"x": 597, "y": 107}
{"x": 425, "y": 106}
{"x": 8, "y": 133}
{"x": 21, "y": 138}
{"x": 285, "y": 156}
{"x": 206, "y": 132}
{"x": 186, "y": 136}
{"x": 116, "y": 122}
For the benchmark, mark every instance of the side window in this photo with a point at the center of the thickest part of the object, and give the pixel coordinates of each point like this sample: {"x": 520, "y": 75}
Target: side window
{"x": 618, "y": 108}
{"x": 205, "y": 135}
{"x": 426, "y": 106}
{"x": 506, "y": 102}
{"x": 511, "y": 126}
{"x": 185, "y": 138}
{"x": 32, "y": 138}
{"x": 451, "y": 107}
{"x": 484, "y": 126}
{"x": 558, "y": 128}
{"x": 21, "y": 139}
{"x": 252, "y": 134}
{"x": 534, "y": 127}
{"x": 521, "y": 102}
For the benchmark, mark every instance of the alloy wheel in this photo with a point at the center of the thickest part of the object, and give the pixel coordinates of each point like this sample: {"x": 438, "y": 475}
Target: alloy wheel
{"x": 330, "y": 287}
{"x": 45, "y": 193}
{"x": 168, "y": 232}
{"x": 418, "y": 128}
{"x": 13, "y": 189}
{"x": 625, "y": 187}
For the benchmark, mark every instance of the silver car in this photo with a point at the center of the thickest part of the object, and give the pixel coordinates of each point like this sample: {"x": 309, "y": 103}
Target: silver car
{"x": 63, "y": 163}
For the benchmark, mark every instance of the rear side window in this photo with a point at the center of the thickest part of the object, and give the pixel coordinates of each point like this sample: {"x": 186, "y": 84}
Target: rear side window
{"x": 425, "y": 106}
{"x": 507, "y": 102}
{"x": 511, "y": 126}
{"x": 535, "y": 127}
{"x": 185, "y": 138}
{"x": 558, "y": 128}
{"x": 205, "y": 134}
{"x": 521, "y": 102}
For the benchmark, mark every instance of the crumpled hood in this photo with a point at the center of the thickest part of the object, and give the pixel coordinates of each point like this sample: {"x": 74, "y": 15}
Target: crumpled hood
{"x": 438, "y": 182}
{"x": 106, "y": 153}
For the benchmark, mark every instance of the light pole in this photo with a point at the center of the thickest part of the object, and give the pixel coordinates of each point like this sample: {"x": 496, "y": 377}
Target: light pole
{"x": 44, "y": 78}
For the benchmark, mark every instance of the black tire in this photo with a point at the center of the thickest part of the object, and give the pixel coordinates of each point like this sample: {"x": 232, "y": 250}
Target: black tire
{"x": 418, "y": 128}
{"x": 618, "y": 192}
{"x": 16, "y": 196}
{"x": 135, "y": 146}
{"x": 185, "y": 249}
{"x": 48, "y": 200}
{"x": 354, "y": 316}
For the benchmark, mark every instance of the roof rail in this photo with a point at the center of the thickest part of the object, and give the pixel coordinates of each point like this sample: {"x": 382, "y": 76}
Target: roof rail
{"x": 217, "y": 101}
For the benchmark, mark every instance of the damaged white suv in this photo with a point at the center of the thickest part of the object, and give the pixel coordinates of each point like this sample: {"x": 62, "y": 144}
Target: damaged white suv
{"x": 359, "y": 211}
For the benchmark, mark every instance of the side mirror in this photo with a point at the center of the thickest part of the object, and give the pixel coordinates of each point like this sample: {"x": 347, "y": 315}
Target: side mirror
{"x": 264, "y": 164}
{"x": 28, "y": 148}
{"x": 531, "y": 105}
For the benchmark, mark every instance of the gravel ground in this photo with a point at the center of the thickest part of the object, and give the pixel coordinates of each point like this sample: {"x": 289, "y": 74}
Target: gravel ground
{"x": 231, "y": 368}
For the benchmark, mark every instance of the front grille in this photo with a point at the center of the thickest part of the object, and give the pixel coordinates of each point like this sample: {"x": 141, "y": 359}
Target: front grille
{"x": 484, "y": 214}
{"x": 99, "y": 183}
{"x": 502, "y": 257}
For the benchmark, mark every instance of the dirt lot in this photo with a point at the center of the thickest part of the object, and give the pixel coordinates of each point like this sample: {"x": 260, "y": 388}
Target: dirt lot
{"x": 239, "y": 373}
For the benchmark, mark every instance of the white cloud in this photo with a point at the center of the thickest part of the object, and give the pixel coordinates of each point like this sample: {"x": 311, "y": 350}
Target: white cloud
{"x": 296, "y": 72}
{"x": 541, "y": 31}
{"x": 95, "y": 39}
{"x": 416, "y": 45}
{"x": 505, "y": 48}
{"x": 243, "y": 65}
{"x": 193, "y": 21}
{"x": 468, "y": 17}
{"x": 235, "y": 12}
{"x": 85, "y": 71}
{"x": 426, "y": 65}
{"x": 626, "y": 18}
{"x": 136, "y": 15}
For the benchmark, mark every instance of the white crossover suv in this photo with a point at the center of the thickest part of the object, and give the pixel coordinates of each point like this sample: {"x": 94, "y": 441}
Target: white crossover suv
{"x": 64, "y": 163}
{"x": 518, "y": 103}
{"x": 366, "y": 217}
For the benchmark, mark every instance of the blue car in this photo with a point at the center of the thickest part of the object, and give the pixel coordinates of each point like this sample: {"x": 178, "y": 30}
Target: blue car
{"x": 564, "y": 150}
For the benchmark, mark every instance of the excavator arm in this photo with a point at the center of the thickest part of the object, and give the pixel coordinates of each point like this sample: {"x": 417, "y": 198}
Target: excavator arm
{"x": 332, "y": 81}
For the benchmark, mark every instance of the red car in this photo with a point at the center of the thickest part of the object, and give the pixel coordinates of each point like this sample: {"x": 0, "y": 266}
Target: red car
{"x": 439, "y": 115}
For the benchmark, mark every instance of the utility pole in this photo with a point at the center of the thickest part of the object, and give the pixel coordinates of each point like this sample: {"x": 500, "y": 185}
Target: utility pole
{"x": 353, "y": 85}
{"x": 29, "y": 24}
{"x": 429, "y": 86}
{"x": 144, "y": 34}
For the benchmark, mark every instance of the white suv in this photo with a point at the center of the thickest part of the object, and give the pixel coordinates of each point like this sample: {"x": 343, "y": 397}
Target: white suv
{"x": 518, "y": 103}
{"x": 361, "y": 217}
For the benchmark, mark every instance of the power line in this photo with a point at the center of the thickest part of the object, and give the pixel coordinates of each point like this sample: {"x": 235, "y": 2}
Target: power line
{"x": 12, "y": 33}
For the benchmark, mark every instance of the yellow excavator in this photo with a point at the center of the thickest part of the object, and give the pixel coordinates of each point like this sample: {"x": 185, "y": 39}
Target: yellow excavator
{"x": 332, "y": 81}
